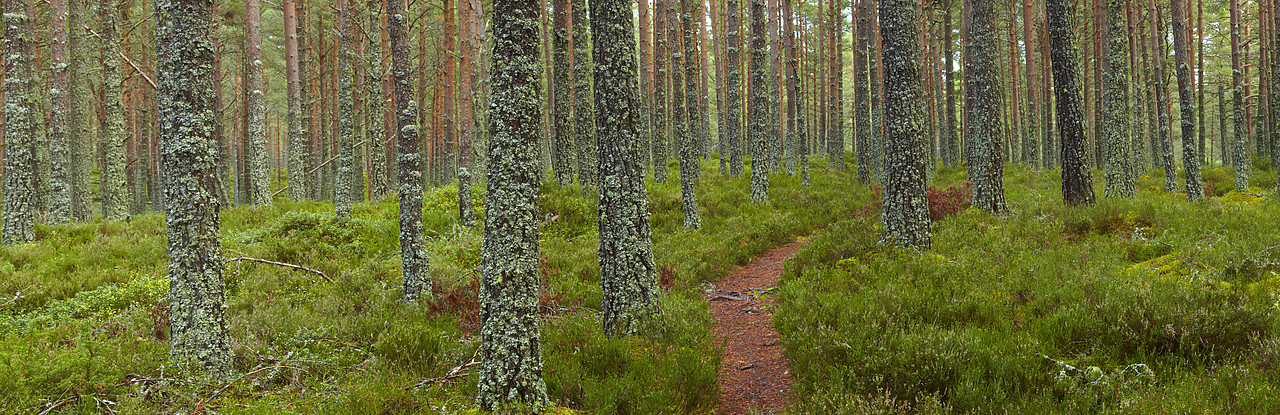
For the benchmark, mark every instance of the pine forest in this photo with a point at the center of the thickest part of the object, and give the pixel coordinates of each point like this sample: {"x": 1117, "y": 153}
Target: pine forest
{"x": 725, "y": 207}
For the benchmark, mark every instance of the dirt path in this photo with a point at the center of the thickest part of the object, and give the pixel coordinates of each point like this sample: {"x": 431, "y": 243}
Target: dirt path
{"x": 754, "y": 374}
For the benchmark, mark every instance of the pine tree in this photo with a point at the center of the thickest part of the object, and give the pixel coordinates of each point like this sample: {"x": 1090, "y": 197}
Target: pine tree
{"x": 20, "y": 123}
{"x": 1165, "y": 148}
{"x": 795, "y": 105}
{"x": 1077, "y": 180}
{"x": 1240, "y": 148}
{"x": 906, "y": 209}
{"x": 759, "y": 105}
{"x": 1190, "y": 157}
{"x": 344, "y": 181}
{"x": 583, "y": 106}
{"x": 413, "y": 255}
{"x": 627, "y": 271}
{"x": 661, "y": 83}
{"x": 983, "y": 108}
{"x": 679, "y": 115}
{"x": 733, "y": 86}
{"x": 60, "y": 168}
{"x": 256, "y": 128}
{"x": 511, "y": 374}
{"x": 563, "y": 143}
{"x": 114, "y": 194}
{"x": 298, "y": 139}
{"x": 197, "y": 293}
{"x": 862, "y": 91}
{"x": 1115, "y": 107}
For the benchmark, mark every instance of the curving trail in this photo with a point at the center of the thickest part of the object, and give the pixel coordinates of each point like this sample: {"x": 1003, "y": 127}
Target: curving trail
{"x": 754, "y": 378}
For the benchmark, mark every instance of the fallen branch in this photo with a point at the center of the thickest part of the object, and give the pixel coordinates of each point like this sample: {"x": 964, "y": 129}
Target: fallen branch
{"x": 60, "y": 404}
{"x": 456, "y": 373}
{"x": 297, "y": 267}
{"x": 206, "y": 401}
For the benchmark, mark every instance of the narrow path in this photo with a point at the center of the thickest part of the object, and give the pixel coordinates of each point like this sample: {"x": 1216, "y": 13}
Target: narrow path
{"x": 754, "y": 374}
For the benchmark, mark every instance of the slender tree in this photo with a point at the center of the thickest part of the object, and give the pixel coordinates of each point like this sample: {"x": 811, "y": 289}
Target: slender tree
{"x": 906, "y": 209}
{"x": 835, "y": 147}
{"x": 679, "y": 115}
{"x": 21, "y": 122}
{"x": 1190, "y": 157}
{"x": 256, "y": 127}
{"x": 862, "y": 91}
{"x": 1077, "y": 180}
{"x": 1240, "y": 155}
{"x": 1275, "y": 83}
{"x": 115, "y": 203}
{"x": 795, "y": 105}
{"x": 377, "y": 127}
{"x": 661, "y": 83}
{"x": 1158, "y": 35}
{"x": 563, "y": 143}
{"x": 759, "y": 105}
{"x": 511, "y": 374}
{"x": 1115, "y": 106}
{"x": 472, "y": 30}
{"x": 733, "y": 85}
{"x": 79, "y": 97}
{"x": 60, "y": 169}
{"x": 413, "y": 255}
{"x": 298, "y": 140}
{"x": 627, "y": 270}
{"x": 200, "y": 338}
{"x": 583, "y": 106}
{"x": 1031, "y": 152}
{"x": 982, "y": 107}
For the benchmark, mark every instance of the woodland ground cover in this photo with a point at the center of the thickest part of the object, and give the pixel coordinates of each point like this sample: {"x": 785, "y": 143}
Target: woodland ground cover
{"x": 88, "y": 329}
{"x": 1147, "y": 305}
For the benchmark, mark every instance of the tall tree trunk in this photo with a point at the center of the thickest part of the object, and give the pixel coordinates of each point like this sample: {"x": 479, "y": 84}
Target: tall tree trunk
{"x": 259, "y": 181}
{"x": 583, "y": 106}
{"x": 794, "y": 101}
{"x": 298, "y": 140}
{"x": 20, "y": 122}
{"x": 1190, "y": 159}
{"x": 733, "y": 84}
{"x": 563, "y": 143}
{"x": 862, "y": 89}
{"x": 472, "y": 30}
{"x": 661, "y": 81}
{"x": 1031, "y": 151}
{"x": 1077, "y": 180}
{"x": 115, "y": 203}
{"x": 1240, "y": 157}
{"x": 646, "y": 82}
{"x": 759, "y": 105}
{"x": 627, "y": 271}
{"x": 197, "y": 300}
{"x": 60, "y": 169}
{"x": 413, "y": 255}
{"x": 835, "y": 150}
{"x": 79, "y": 96}
{"x": 344, "y": 185}
{"x": 511, "y": 374}
{"x": 906, "y": 209}
{"x": 982, "y": 107}
{"x": 678, "y": 24}
{"x": 1200, "y": 108}
{"x": 1162, "y": 95}
{"x": 1115, "y": 106}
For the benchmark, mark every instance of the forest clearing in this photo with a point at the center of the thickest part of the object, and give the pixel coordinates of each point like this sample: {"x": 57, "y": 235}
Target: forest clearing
{"x": 624, "y": 207}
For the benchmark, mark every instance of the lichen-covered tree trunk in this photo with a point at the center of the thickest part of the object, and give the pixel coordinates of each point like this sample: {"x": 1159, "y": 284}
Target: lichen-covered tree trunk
{"x": 733, "y": 84}
{"x": 1077, "y": 180}
{"x": 661, "y": 82}
{"x": 298, "y": 140}
{"x": 862, "y": 91}
{"x": 835, "y": 146}
{"x": 309, "y": 148}
{"x": 511, "y": 373}
{"x": 627, "y": 270}
{"x": 115, "y": 201}
{"x": 1158, "y": 35}
{"x": 646, "y": 80}
{"x": 344, "y": 181}
{"x": 1275, "y": 84}
{"x": 906, "y": 209}
{"x": 21, "y": 114}
{"x": 1032, "y": 150}
{"x": 562, "y": 141}
{"x": 679, "y": 115}
{"x": 256, "y": 154}
{"x": 472, "y": 28}
{"x": 197, "y": 299}
{"x": 60, "y": 169}
{"x": 78, "y": 99}
{"x": 952, "y": 142}
{"x": 795, "y": 105}
{"x": 1240, "y": 149}
{"x": 718, "y": 45}
{"x": 1115, "y": 107}
{"x": 759, "y": 105}
{"x": 879, "y": 147}
{"x": 583, "y": 105}
{"x": 413, "y": 254}
{"x": 692, "y": 95}
{"x": 1190, "y": 155}
{"x": 983, "y": 107}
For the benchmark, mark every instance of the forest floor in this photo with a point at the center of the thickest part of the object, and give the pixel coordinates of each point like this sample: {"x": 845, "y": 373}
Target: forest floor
{"x": 754, "y": 374}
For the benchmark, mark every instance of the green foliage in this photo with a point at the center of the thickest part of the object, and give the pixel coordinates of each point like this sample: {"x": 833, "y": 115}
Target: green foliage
{"x": 92, "y": 315}
{"x": 1129, "y": 306}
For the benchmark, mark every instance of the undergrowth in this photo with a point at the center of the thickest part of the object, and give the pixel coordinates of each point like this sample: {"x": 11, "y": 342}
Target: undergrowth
{"x": 83, "y": 313}
{"x": 1146, "y": 305}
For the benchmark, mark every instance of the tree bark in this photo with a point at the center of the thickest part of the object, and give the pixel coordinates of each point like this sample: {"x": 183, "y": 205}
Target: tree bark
{"x": 906, "y": 209}
{"x": 733, "y": 84}
{"x": 21, "y": 112}
{"x": 256, "y": 154}
{"x": 1077, "y": 180}
{"x": 413, "y": 255}
{"x": 759, "y": 105}
{"x": 1190, "y": 158}
{"x": 1240, "y": 155}
{"x": 982, "y": 107}
{"x": 197, "y": 301}
{"x": 795, "y": 103}
{"x": 1115, "y": 106}
{"x": 661, "y": 83}
{"x": 115, "y": 203}
{"x": 583, "y": 105}
{"x": 627, "y": 271}
{"x": 60, "y": 168}
{"x": 511, "y": 374}
{"x": 563, "y": 143}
